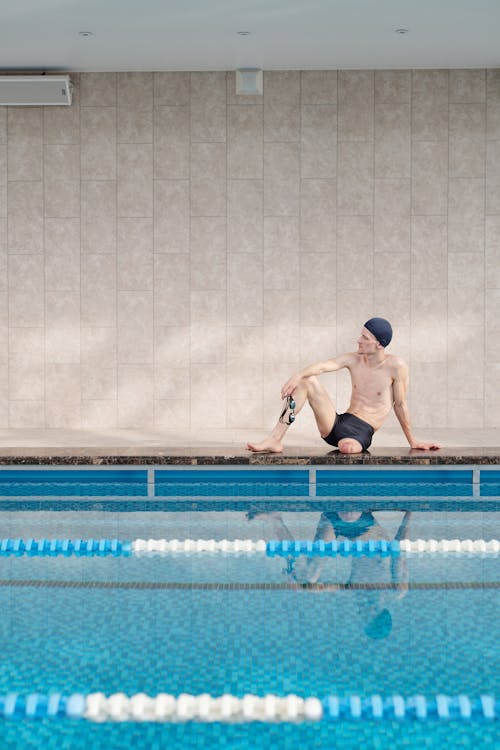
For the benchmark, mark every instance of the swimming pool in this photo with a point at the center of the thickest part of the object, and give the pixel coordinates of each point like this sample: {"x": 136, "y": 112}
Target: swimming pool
{"x": 310, "y": 610}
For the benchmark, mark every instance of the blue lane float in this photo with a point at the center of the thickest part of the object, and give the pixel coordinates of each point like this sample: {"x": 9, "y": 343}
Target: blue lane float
{"x": 65, "y": 547}
{"x": 97, "y": 707}
{"x": 345, "y": 548}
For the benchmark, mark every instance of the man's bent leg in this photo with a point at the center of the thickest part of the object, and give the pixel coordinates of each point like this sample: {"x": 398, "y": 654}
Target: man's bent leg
{"x": 308, "y": 390}
{"x": 349, "y": 445}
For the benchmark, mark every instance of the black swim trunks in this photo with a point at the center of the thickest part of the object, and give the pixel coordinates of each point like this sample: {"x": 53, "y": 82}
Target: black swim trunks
{"x": 348, "y": 426}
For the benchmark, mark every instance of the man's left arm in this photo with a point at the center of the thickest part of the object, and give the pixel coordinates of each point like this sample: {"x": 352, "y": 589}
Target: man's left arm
{"x": 399, "y": 391}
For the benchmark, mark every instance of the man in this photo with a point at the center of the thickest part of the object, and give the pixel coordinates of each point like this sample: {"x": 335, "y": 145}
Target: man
{"x": 379, "y": 383}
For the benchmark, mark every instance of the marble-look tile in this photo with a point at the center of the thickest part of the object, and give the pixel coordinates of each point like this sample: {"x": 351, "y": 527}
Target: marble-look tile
{"x": 245, "y": 215}
{"x": 3, "y": 125}
{"x": 61, "y": 125}
{"x": 281, "y": 105}
{"x": 4, "y": 396}
{"x": 316, "y": 343}
{"x": 318, "y": 289}
{"x": 26, "y": 290}
{"x": 135, "y": 396}
{"x": 465, "y": 308}
{"x": 62, "y": 255}
{"x": 3, "y": 181}
{"x": 245, "y": 294}
{"x": 392, "y": 87}
{"x": 208, "y": 344}
{"x": 99, "y": 414}
{"x": 466, "y": 215}
{"x": 429, "y": 261}
{"x": 208, "y": 179}
{"x": 208, "y": 106}
{"x": 430, "y": 105}
{"x": 98, "y": 213}
{"x": 427, "y": 307}
{"x": 245, "y": 380}
{"x": 354, "y": 307}
{"x": 392, "y": 216}
{"x": 429, "y": 185}
{"x": 62, "y": 199}
{"x": 428, "y": 393}
{"x": 171, "y": 143}
{"x": 135, "y": 180}
{"x": 281, "y": 179}
{"x": 134, "y": 126}
{"x": 392, "y": 140}
{"x": 492, "y": 325}
{"x": 467, "y": 140}
{"x": 318, "y": 204}
{"x": 171, "y": 414}
{"x": 24, "y": 153}
{"x": 4, "y": 284}
{"x": 62, "y": 382}
{"x": 61, "y": 415}
{"x": 355, "y": 178}
{"x": 208, "y": 307}
{"x": 244, "y": 414}
{"x": 466, "y": 271}
{"x": 135, "y": 107}
{"x": 465, "y": 362}
{"x": 98, "y": 143}
{"x": 171, "y": 289}
{"x": 208, "y": 396}
{"x": 245, "y": 143}
{"x": 318, "y": 142}
{"x": 208, "y": 253}
{"x": 392, "y": 287}
{"x": 98, "y": 290}
{"x": 172, "y": 346}
{"x": 98, "y": 383}
{"x": 493, "y": 119}
{"x": 278, "y": 350}
{"x": 465, "y": 411}
{"x": 356, "y": 105}
{"x": 172, "y": 383}
{"x": 281, "y": 253}
{"x": 318, "y": 87}
{"x": 279, "y": 306}
{"x": 135, "y": 327}
{"x": 62, "y": 327}
{"x": 491, "y": 380}
{"x": 134, "y": 256}
{"x": 245, "y": 343}
{"x": 97, "y": 89}
{"x": 26, "y": 364}
{"x": 26, "y": 414}
{"x": 467, "y": 85}
{"x": 492, "y": 252}
{"x": 171, "y": 88}
{"x": 98, "y": 346}
{"x": 171, "y": 216}
{"x": 62, "y": 181}
{"x": 355, "y": 252}
{"x": 25, "y": 217}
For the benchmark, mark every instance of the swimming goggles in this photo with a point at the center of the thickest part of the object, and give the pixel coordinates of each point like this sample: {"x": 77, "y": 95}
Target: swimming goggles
{"x": 287, "y": 416}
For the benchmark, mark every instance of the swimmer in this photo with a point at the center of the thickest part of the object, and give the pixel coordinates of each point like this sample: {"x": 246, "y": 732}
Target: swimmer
{"x": 379, "y": 383}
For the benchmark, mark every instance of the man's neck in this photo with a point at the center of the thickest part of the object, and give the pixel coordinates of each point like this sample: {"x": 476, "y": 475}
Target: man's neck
{"x": 374, "y": 360}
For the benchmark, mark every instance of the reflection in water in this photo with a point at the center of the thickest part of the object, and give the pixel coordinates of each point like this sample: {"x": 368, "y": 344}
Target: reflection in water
{"x": 374, "y": 607}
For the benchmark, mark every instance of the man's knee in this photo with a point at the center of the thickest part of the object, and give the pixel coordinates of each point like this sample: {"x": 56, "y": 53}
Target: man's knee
{"x": 349, "y": 445}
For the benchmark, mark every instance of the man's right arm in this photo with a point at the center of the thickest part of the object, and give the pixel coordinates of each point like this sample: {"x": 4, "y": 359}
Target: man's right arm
{"x": 319, "y": 368}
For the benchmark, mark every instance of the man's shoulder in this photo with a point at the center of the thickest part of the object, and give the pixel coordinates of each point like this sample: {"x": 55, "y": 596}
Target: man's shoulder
{"x": 396, "y": 363}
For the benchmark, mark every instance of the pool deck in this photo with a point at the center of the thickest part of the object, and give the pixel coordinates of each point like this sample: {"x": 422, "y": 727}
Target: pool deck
{"x": 127, "y": 447}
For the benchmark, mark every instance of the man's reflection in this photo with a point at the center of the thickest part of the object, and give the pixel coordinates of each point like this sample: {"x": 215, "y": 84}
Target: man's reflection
{"x": 376, "y": 581}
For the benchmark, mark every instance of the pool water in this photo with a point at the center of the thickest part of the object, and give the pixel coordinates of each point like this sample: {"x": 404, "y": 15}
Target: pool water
{"x": 218, "y": 623}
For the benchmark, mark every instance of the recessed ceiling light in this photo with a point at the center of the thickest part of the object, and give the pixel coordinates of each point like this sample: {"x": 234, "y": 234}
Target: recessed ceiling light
{"x": 401, "y": 31}
{"x": 244, "y": 33}
{"x": 85, "y": 33}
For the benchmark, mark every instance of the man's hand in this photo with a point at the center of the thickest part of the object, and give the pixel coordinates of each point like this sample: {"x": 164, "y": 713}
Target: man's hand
{"x": 290, "y": 386}
{"x": 425, "y": 447}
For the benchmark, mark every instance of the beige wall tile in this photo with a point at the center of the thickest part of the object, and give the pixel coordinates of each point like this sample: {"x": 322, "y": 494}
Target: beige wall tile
{"x": 171, "y": 88}
{"x": 208, "y": 179}
{"x": 98, "y": 143}
{"x": 467, "y": 85}
{"x": 493, "y": 120}
{"x": 61, "y": 125}
{"x": 63, "y": 416}
{"x": 245, "y": 142}
{"x": 391, "y": 286}
{"x": 392, "y": 216}
{"x": 171, "y": 216}
{"x": 318, "y": 87}
{"x": 281, "y": 179}
{"x": 281, "y": 105}
{"x": 62, "y": 255}
{"x": 24, "y": 143}
{"x": 3, "y": 125}
{"x": 98, "y": 346}
{"x": 429, "y": 325}
{"x": 208, "y": 396}
{"x": 429, "y": 260}
{"x": 316, "y": 343}
{"x": 208, "y": 253}
{"x": 355, "y": 252}
{"x": 3, "y": 181}
{"x": 208, "y": 307}
{"x": 392, "y": 139}
{"x": 98, "y": 415}
{"x": 244, "y": 414}
{"x": 466, "y": 216}
{"x": 172, "y": 383}
{"x": 492, "y": 326}
{"x": 318, "y": 141}
{"x": 355, "y": 178}
{"x": 429, "y": 185}
{"x": 25, "y": 216}
{"x": 245, "y": 343}
{"x": 135, "y": 254}
{"x": 98, "y": 89}
{"x": 135, "y": 396}
{"x": 26, "y": 290}
{"x": 98, "y": 217}
{"x": 245, "y": 380}
{"x": 26, "y": 364}
{"x": 492, "y": 252}
{"x": 208, "y": 344}
{"x": 171, "y": 346}
{"x": 465, "y": 362}
{"x": 208, "y": 106}
{"x": 4, "y": 285}
{"x": 318, "y": 199}
{"x": 465, "y": 411}
{"x": 62, "y": 181}
{"x": 279, "y": 306}
{"x": 4, "y": 396}
{"x": 98, "y": 290}
{"x": 318, "y": 289}
{"x": 62, "y": 383}
{"x": 171, "y": 143}
{"x": 26, "y": 414}
{"x": 98, "y": 383}
{"x": 62, "y": 328}
{"x": 281, "y": 253}
{"x": 135, "y": 327}
{"x": 356, "y": 105}
{"x": 245, "y": 296}
{"x": 354, "y": 307}
{"x": 430, "y": 105}
{"x": 392, "y": 87}
{"x": 467, "y": 140}
{"x": 281, "y": 345}
{"x": 428, "y": 391}
{"x": 172, "y": 414}
{"x": 135, "y": 180}
{"x": 171, "y": 290}
{"x": 245, "y": 215}
{"x": 135, "y": 107}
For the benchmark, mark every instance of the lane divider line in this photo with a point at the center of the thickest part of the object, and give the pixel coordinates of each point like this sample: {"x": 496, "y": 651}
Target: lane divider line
{"x": 97, "y": 707}
{"x": 285, "y": 548}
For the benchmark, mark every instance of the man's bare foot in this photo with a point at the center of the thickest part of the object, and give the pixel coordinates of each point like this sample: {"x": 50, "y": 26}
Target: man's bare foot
{"x": 269, "y": 445}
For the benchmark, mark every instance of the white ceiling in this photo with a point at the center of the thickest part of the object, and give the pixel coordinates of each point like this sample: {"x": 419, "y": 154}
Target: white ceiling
{"x": 284, "y": 34}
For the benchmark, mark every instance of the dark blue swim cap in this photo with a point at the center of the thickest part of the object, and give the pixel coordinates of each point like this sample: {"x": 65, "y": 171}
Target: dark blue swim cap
{"x": 381, "y": 329}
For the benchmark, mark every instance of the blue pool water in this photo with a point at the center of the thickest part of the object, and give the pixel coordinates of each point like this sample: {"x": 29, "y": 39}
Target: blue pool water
{"x": 246, "y": 623}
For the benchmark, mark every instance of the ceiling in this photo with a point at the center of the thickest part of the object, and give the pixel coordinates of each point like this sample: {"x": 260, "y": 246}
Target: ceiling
{"x": 142, "y": 35}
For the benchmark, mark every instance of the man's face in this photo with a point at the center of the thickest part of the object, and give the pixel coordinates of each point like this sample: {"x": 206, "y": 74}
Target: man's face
{"x": 367, "y": 343}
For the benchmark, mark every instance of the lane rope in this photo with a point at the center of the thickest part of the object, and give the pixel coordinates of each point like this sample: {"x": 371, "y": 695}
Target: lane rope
{"x": 356, "y": 548}
{"x": 97, "y": 707}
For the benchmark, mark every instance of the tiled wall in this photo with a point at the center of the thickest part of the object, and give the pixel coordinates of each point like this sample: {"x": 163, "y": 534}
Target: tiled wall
{"x": 171, "y": 252}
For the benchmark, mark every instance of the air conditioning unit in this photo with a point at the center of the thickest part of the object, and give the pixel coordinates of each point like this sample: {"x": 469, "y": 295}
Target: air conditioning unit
{"x": 34, "y": 91}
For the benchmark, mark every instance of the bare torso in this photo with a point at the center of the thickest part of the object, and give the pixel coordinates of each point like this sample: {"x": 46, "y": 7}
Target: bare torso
{"x": 372, "y": 395}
